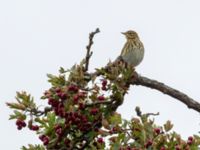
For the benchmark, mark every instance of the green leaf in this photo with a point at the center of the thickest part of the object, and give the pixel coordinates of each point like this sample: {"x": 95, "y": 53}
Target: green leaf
{"x": 62, "y": 70}
{"x": 116, "y": 119}
{"x": 168, "y": 126}
{"x": 17, "y": 115}
{"x": 42, "y": 122}
{"x": 56, "y": 81}
{"x": 33, "y": 147}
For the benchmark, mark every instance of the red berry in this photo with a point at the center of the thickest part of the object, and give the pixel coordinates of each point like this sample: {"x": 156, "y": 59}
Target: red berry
{"x": 114, "y": 129}
{"x": 67, "y": 142}
{"x": 59, "y": 131}
{"x": 34, "y": 127}
{"x": 76, "y": 98}
{"x": 84, "y": 119}
{"x": 157, "y": 130}
{"x": 20, "y": 124}
{"x": 45, "y": 140}
{"x": 104, "y": 88}
{"x": 58, "y": 90}
{"x": 94, "y": 111}
{"x": 101, "y": 98}
{"x": 82, "y": 94}
{"x": 177, "y": 147}
{"x": 162, "y": 148}
{"x": 53, "y": 102}
{"x": 81, "y": 106}
{"x": 100, "y": 140}
{"x": 128, "y": 148}
{"x": 62, "y": 95}
{"x": 149, "y": 143}
{"x": 23, "y": 124}
{"x": 189, "y": 142}
{"x": 104, "y": 82}
{"x": 190, "y": 138}
{"x": 73, "y": 88}
{"x": 19, "y": 127}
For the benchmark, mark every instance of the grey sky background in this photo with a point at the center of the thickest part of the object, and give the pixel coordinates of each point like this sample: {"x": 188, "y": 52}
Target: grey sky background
{"x": 37, "y": 37}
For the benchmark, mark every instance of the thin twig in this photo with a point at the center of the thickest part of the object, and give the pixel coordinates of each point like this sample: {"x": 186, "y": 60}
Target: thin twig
{"x": 88, "y": 48}
{"x": 140, "y": 114}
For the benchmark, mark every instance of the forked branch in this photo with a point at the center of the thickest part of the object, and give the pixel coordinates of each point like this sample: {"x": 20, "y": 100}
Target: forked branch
{"x": 88, "y": 48}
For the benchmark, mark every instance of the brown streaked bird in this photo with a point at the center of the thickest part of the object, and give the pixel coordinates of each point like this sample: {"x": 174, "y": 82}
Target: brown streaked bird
{"x": 133, "y": 50}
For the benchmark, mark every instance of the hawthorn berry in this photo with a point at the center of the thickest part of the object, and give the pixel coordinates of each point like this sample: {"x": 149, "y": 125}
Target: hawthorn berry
{"x": 189, "y": 142}
{"x": 41, "y": 137}
{"x": 177, "y": 147}
{"x": 149, "y": 143}
{"x": 100, "y": 140}
{"x": 81, "y": 106}
{"x": 34, "y": 127}
{"x": 190, "y": 138}
{"x": 82, "y": 94}
{"x": 162, "y": 148}
{"x": 104, "y": 88}
{"x": 62, "y": 95}
{"x": 73, "y": 88}
{"x": 20, "y": 124}
{"x": 101, "y": 98}
{"x": 104, "y": 82}
{"x": 94, "y": 111}
{"x": 67, "y": 142}
{"x": 114, "y": 129}
{"x": 76, "y": 98}
{"x": 44, "y": 139}
{"x": 157, "y": 130}
{"x": 58, "y": 90}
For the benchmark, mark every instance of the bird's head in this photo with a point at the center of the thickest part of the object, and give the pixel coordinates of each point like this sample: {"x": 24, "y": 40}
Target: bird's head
{"x": 131, "y": 34}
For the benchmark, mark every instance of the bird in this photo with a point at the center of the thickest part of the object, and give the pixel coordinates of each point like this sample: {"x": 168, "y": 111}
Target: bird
{"x": 133, "y": 51}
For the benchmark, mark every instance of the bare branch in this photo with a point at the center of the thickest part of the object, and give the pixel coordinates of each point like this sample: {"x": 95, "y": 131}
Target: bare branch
{"x": 150, "y": 83}
{"x": 88, "y": 48}
{"x": 144, "y": 81}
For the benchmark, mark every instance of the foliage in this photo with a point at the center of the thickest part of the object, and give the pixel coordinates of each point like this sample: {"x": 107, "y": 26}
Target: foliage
{"x": 81, "y": 114}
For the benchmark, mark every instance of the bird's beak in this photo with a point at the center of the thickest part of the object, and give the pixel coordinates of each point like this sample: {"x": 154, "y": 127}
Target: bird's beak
{"x": 123, "y": 33}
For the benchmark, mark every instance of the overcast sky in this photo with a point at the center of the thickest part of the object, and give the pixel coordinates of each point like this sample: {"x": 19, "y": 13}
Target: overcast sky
{"x": 37, "y": 37}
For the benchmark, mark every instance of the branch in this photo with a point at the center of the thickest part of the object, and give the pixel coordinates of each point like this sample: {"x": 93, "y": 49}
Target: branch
{"x": 144, "y": 81}
{"x": 88, "y": 48}
{"x": 150, "y": 83}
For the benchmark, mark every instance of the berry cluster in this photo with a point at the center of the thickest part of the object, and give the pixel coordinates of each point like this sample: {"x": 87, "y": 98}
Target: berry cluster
{"x": 44, "y": 139}
{"x": 104, "y": 85}
{"x": 20, "y": 124}
{"x": 68, "y": 104}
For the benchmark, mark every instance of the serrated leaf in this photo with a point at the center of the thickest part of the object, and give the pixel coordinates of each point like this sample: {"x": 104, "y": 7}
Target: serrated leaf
{"x": 42, "y": 122}
{"x": 33, "y": 147}
{"x": 16, "y": 106}
{"x": 168, "y": 126}
{"x": 62, "y": 70}
{"x": 12, "y": 117}
{"x": 115, "y": 119}
{"x": 19, "y": 115}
